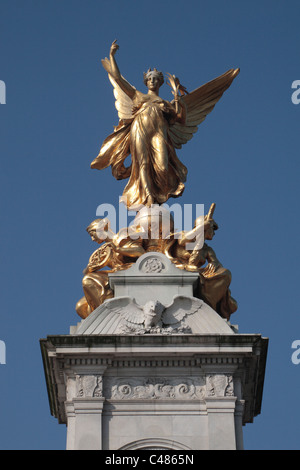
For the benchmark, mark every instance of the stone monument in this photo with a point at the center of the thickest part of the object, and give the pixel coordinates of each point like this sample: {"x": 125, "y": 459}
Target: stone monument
{"x": 155, "y": 362}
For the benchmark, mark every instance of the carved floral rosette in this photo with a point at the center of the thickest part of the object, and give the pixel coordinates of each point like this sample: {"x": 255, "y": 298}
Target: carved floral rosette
{"x": 152, "y": 265}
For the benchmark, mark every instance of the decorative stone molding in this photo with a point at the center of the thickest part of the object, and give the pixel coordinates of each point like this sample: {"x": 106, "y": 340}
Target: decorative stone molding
{"x": 155, "y": 444}
{"x": 169, "y": 362}
{"x": 75, "y": 366}
{"x": 218, "y": 385}
{"x": 126, "y": 329}
{"x": 89, "y": 386}
{"x": 155, "y": 388}
{"x": 214, "y": 385}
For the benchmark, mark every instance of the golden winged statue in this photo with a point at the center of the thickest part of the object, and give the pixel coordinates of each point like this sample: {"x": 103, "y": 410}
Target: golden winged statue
{"x": 150, "y": 129}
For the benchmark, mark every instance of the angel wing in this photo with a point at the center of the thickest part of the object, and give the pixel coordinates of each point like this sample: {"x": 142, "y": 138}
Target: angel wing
{"x": 199, "y": 103}
{"x": 180, "y": 308}
{"x": 123, "y": 102}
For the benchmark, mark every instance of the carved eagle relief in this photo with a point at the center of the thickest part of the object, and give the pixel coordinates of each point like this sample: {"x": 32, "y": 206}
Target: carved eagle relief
{"x": 125, "y": 315}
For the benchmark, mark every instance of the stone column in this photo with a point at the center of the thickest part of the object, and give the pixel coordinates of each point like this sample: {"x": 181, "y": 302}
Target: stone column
{"x": 87, "y": 424}
{"x": 238, "y": 418}
{"x": 221, "y": 425}
{"x": 221, "y": 406}
{"x": 83, "y": 410}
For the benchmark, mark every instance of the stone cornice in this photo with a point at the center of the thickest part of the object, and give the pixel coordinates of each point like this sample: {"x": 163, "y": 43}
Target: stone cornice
{"x": 243, "y": 356}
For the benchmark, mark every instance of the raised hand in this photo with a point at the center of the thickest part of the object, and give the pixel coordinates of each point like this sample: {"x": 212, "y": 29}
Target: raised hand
{"x": 113, "y": 48}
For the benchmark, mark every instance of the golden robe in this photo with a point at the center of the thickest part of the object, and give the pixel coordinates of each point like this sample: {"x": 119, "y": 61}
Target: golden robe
{"x": 155, "y": 173}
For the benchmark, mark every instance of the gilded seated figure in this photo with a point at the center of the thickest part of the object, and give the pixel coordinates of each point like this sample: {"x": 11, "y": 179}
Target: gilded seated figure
{"x": 214, "y": 279}
{"x": 117, "y": 251}
{"x": 153, "y": 230}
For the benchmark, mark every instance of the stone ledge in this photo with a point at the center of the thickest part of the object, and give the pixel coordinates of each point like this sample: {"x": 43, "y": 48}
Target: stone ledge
{"x": 244, "y": 356}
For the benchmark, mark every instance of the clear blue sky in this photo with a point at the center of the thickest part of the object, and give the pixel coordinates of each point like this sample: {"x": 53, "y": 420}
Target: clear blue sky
{"x": 245, "y": 157}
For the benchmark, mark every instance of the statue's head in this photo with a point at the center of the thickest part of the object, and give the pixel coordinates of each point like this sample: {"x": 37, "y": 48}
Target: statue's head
{"x": 153, "y": 78}
{"x": 99, "y": 230}
{"x": 209, "y": 229}
{"x": 209, "y": 224}
{"x": 153, "y": 307}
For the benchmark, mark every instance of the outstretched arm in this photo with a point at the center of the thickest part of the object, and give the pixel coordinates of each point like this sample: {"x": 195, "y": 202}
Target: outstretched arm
{"x": 112, "y": 68}
{"x": 191, "y": 236}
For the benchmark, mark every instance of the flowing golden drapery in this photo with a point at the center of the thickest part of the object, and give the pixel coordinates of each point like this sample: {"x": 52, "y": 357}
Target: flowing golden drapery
{"x": 150, "y": 129}
{"x": 155, "y": 173}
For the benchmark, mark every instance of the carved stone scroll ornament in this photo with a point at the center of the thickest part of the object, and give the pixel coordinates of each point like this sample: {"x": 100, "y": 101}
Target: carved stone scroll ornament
{"x": 157, "y": 388}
